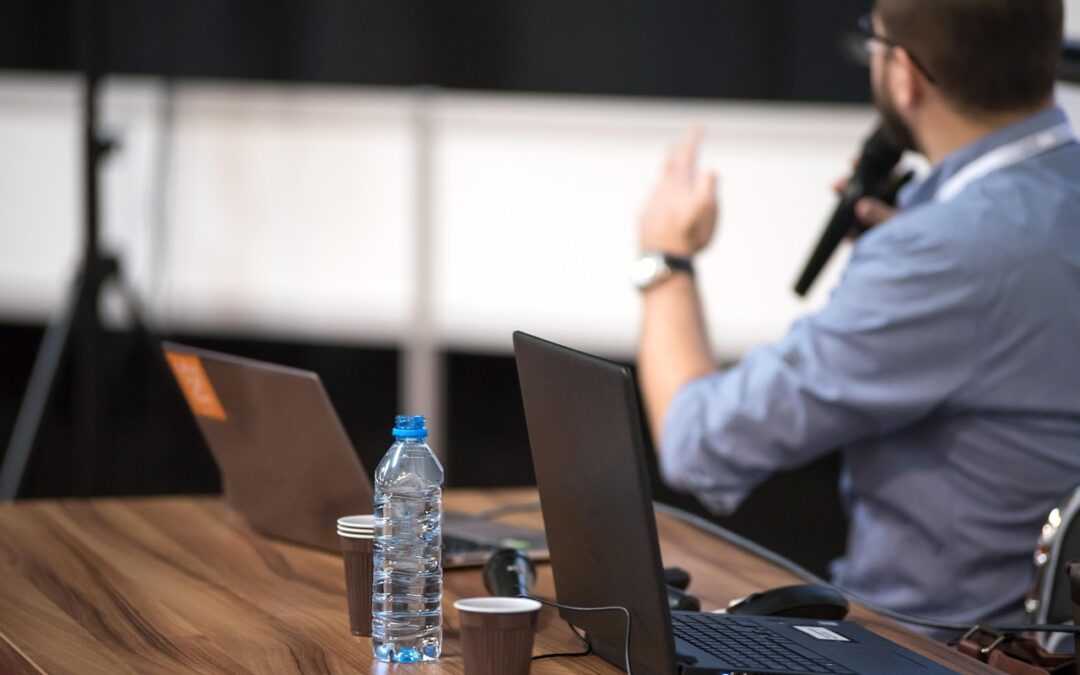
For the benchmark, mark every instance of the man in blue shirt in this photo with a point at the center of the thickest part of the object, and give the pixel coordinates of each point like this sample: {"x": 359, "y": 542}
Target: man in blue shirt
{"x": 945, "y": 364}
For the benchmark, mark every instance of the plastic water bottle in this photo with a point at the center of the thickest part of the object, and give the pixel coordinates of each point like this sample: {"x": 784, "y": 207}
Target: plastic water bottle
{"x": 406, "y": 601}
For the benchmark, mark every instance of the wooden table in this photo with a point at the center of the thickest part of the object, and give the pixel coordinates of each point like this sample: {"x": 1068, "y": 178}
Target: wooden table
{"x": 180, "y": 584}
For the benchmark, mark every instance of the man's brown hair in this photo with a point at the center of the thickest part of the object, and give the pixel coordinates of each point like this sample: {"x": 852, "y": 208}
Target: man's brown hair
{"x": 986, "y": 56}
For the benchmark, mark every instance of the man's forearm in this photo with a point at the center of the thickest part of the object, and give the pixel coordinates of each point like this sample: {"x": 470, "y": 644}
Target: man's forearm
{"x": 674, "y": 346}
{"x": 678, "y": 219}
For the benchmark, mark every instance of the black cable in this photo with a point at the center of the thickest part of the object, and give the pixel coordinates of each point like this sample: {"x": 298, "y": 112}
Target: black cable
{"x": 625, "y": 611}
{"x": 810, "y": 577}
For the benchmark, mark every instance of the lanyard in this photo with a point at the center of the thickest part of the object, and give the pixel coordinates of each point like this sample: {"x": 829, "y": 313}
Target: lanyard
{"x": 1007, "y": 155}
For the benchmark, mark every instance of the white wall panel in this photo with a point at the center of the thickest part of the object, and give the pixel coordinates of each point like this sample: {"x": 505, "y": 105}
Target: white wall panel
{"x": 291, "y": 209}
{"x": 537, "y": 199}
{"x": 39, "y": 193}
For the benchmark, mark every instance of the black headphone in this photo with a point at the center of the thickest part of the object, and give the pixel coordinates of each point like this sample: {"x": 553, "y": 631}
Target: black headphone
{"x": 510, "y": 573}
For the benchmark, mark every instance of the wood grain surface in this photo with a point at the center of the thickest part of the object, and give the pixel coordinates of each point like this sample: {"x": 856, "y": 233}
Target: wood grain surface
{"x": 180, "y": 584}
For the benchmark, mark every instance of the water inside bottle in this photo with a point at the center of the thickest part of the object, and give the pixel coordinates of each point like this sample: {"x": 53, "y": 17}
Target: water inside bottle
{"x": 407, "y": 589}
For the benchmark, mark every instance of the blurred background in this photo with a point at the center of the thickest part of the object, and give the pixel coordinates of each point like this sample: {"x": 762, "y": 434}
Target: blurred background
{"x": 382, "y": 190}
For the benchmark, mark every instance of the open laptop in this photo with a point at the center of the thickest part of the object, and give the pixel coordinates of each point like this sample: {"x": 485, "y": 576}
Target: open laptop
{"x": 589, "y": 455}
{"x": 287, "y": 465}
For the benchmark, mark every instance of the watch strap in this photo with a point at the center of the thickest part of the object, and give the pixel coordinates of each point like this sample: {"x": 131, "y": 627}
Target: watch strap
{"x": 678, "y": 263}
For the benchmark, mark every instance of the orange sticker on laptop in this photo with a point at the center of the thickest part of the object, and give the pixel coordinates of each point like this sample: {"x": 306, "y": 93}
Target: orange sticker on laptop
{"x": 196, "y": 386}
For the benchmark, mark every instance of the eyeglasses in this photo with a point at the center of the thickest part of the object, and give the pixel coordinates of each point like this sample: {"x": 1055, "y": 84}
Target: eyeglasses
{"x": 870, "y": 40}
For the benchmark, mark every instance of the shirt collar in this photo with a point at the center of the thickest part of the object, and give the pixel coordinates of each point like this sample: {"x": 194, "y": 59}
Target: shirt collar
{"x": 924, "y": 190}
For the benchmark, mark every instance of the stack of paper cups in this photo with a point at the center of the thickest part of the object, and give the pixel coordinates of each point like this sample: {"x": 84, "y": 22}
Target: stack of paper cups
{"x": 357, "y": 533}
{"x": 360, "y": 527}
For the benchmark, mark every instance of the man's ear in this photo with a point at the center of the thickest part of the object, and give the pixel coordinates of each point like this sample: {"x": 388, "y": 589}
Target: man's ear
{"x": 906, "y": 84}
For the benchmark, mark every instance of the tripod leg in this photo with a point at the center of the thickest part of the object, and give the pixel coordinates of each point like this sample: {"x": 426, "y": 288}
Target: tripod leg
{"x": 86, "y": 347}
{"x": 90, "y": 472}
{"x": 38, "y": 391}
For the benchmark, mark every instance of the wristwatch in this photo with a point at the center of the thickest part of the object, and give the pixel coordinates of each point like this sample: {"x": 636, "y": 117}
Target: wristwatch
{"x": 656, "y": 266}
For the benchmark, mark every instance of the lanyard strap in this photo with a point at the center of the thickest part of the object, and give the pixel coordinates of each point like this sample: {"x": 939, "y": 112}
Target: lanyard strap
{"x": 1007, "y": 155}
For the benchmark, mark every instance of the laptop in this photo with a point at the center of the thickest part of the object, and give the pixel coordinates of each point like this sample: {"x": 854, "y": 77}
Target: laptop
{"x": 589, "y": 455}
{"x": 287, "y": 465}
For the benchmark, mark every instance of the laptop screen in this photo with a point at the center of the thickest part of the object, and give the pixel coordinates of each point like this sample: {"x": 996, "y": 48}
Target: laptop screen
{"x": 589, "y": 455}
{"x": 286, "y": 462}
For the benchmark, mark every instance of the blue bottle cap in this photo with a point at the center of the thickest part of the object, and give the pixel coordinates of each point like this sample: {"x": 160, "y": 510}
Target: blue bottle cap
{"x": 410, "y": 426}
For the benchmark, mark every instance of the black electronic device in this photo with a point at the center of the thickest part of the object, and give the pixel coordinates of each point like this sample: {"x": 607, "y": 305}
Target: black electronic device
{"x": 677, "y": 577}
{"x": 588, "y": 449}
{"x": 681, "y": 600}
{"x": 509, "y": 573}
{"x": 872, "y": 178}
{"x": 808, "y": 601}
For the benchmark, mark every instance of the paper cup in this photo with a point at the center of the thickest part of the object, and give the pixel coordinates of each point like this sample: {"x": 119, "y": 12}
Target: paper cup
{"x": 355, "y": 535}
{"x": 356, "y": 552}
{"x": 497, "y": 634}
{"x": 362, "y": 522}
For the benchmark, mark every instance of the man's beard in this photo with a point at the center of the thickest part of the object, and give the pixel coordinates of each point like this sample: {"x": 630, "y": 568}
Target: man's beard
{"x": 895, "y": 127}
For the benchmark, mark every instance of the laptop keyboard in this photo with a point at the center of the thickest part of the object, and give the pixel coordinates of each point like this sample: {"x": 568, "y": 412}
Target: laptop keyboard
{"x": 743, "y": 644}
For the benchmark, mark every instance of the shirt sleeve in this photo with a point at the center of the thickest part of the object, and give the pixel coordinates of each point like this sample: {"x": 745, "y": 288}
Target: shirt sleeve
{"x": 895, "y": 342}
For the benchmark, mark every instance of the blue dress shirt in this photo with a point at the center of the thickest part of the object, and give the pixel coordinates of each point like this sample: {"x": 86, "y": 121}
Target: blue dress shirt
{"x": 946, "y": 365}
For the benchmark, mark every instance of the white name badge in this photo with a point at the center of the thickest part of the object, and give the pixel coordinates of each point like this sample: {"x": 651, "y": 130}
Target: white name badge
{"x": 819, "y": 633}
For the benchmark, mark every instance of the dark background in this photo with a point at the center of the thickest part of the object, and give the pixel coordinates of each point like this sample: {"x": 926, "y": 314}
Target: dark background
{"x": 749, "y": 49}
{"x": 146, "y": 443}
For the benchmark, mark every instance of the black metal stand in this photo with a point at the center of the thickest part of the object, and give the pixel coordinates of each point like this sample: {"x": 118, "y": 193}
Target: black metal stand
{"x": 78, "y": 324}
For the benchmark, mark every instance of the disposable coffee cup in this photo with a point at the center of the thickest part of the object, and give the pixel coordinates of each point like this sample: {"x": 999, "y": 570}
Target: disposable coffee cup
{"x": 497, "y": 634}
{"x": 355, "y": 533}
{"x": 356, "y": 551}
{"x": 366, "y": 537}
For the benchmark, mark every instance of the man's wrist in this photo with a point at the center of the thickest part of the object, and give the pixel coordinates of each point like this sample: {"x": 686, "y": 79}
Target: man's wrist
{"x": 673, "y": 246}
{"x": 654, "y": 267}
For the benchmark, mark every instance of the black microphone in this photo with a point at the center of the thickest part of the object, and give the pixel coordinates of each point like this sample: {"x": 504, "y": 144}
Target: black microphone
{"x": 1069, "y": 69}
{"x": 509, "y": 573}
{"x": 871, "y": 179}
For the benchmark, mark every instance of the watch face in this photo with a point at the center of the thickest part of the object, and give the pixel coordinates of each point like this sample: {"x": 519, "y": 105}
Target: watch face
{"x": 649, "y": 269}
